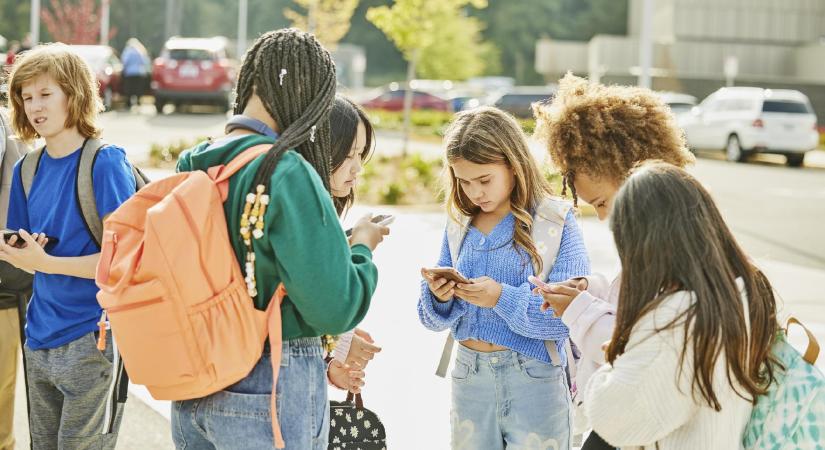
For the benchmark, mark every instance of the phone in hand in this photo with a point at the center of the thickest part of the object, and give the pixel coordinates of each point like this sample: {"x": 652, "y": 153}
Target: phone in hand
{"x": 19, "y": 243}
{"x": 447, "y": 273}
{"x": 381, "y": 219}
{"x": 538, "y": 283}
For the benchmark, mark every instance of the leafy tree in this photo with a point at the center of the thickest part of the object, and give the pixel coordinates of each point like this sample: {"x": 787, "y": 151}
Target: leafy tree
{"x": 436, "y": 32}
{"x": 329, "y": 20}
{"x": 515, "y": 26}
{"x": 73, "y": 22}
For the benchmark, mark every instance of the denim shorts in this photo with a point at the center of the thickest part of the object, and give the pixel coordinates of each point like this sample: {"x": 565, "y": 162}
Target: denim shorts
{"x": 239, "y": 416}
{"x": 505, "y": 399}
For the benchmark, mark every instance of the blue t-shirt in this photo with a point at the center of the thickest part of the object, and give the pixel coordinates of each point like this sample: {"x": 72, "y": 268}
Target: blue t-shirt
{"x": 64, "y": 308}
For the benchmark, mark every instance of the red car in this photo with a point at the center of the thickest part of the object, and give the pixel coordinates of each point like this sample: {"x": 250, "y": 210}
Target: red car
{"x": 393, "y": 100}
{"x": 107, "y": 68}
{"x": 194, "y": 70}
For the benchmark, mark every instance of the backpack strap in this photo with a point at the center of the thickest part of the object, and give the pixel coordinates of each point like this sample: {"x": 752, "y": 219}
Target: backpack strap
{"x": 812, "y": 351}
{"x": 548, "y": 224}
{"x": 456, "y": 232}
{"x": 85, "y": 188}
{"x": 28, "y": 169}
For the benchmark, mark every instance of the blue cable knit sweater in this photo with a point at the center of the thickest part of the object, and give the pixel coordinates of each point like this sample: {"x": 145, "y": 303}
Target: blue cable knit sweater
{"x": 516, "y": 322}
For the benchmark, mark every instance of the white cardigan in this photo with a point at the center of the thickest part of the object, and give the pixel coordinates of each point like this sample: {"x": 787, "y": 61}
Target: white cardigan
{"x": 638, "y": 400}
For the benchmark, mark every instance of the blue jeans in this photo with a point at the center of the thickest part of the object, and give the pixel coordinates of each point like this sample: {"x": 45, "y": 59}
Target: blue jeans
{"x": 504, "y": 399}
{"x": 239, "y": 416}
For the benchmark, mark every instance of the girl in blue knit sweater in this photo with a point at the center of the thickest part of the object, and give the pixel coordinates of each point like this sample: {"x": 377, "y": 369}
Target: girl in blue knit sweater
{"x": 509, "y": 386}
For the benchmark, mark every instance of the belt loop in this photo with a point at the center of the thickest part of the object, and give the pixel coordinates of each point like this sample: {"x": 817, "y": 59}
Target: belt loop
{"x": 285, "y": 354}
{"x": 476, "y": 361}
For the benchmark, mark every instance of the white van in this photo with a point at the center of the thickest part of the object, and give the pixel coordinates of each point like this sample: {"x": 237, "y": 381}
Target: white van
{"x": 745, "y": 120}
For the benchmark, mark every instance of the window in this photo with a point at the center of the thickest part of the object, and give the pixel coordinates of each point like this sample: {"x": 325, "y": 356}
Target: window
{"x": 191, "y": 54}
{"x": 788, "y": 107}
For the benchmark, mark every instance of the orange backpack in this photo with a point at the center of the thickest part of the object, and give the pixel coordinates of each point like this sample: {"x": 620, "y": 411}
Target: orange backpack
{"x": 174, "y": 293}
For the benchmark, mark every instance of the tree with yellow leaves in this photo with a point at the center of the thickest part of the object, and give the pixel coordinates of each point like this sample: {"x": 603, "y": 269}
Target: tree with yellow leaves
{"x": 328, "y": 20}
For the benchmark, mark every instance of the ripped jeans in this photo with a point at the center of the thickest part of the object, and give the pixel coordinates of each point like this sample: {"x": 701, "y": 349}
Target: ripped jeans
{"x": 504, "y": 399}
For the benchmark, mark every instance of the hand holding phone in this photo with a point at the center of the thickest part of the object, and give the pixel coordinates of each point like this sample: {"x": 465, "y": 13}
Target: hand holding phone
{"x": 381, "y": 219}
{"x": 370, "y": 231}
{"x": 14, "y": 239}
{"x": 448, "y": 273}
{"x": 558, "y": 296}
{"x": 442, "y": 288}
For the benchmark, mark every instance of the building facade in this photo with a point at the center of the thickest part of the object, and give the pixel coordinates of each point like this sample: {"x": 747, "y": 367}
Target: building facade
{"x": 767, "y": 43}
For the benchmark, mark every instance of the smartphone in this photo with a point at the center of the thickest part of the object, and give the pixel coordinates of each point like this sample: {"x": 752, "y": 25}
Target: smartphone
{"x": 7, "y": 234}
{"x": 381, "y": 219}
{"x": 538, "y": 283}
{"x": 448, "y": 273}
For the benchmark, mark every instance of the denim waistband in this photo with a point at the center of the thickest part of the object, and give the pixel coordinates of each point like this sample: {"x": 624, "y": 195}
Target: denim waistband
{"x": 306, "y": 346}
{"x": 472, "y": 358}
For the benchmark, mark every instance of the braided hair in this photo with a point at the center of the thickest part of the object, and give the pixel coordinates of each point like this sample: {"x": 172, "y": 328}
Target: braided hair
{"x": 294, "y": 76}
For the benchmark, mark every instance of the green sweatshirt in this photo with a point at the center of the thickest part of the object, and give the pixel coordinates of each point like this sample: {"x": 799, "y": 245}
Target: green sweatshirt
{"x": 329, "y": 284}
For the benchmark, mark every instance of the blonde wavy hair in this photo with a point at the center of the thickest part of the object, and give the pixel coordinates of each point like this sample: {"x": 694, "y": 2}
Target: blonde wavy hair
{"x": 604, "y": 131}
{"x": 488, "y": 135}
{"x": 75, "y": 79}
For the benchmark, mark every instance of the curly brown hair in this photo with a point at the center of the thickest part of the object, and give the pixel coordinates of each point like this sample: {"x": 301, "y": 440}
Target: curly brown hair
{"x": 604, "y": 131}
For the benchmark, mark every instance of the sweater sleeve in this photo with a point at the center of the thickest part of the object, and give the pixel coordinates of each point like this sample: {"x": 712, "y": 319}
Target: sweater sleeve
{"x": 436, "y": 315}
{"x": 591, "y": 321}
{"x": 644, "y": 380}
{"x": 329, "y": 283}
{"x": 521, "y": 309}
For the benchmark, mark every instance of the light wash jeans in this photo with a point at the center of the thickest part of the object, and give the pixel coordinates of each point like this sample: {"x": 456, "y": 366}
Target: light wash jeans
{"x": 504, "y": 399}
{"x": 239, "y": 416}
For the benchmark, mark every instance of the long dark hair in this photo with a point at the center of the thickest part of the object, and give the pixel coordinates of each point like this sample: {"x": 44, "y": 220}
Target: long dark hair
{"x": 294, "y": 76}
{"x": 343, "y": 120}
{"x": 671, "y": 237}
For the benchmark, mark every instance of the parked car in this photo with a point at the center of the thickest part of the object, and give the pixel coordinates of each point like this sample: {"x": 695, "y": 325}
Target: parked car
{"x": 393, "y": 100}
{"x": 107, "y": 68}
{"x": 747, "y": 120}
{"x": 194, "y": 71}
{"x": 519, "y": 100}
{"x": 680, "y": 104}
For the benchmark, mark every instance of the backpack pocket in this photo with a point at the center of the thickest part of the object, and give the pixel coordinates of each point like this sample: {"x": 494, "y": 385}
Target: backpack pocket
{"x": 154, "y": 355}
{"x": 229, "y": 332}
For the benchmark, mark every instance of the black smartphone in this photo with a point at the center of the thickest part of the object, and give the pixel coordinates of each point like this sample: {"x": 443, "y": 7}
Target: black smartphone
{"x": 7, "y": 234}
{"x": 381, "y": 219}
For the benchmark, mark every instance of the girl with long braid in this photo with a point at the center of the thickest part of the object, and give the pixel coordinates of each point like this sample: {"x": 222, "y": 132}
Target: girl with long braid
{"x": 284, "y": 229}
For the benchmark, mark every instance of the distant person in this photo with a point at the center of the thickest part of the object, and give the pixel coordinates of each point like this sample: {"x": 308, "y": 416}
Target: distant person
{"x": 27, "y": 43}
{"x": 13, "y": 50}
{"x": 136, "y": 71}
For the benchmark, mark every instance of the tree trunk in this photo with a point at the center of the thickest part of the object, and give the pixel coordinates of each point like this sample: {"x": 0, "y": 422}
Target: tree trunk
{"x": 408, "y": 97}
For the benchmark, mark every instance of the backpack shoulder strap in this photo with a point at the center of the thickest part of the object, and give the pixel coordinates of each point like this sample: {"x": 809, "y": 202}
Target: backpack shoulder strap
{"x": 85, "y": 188}
{"x": 548, "y": 224}
{"x": 28, "y": 169}
{"x": 456, "y": 232}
